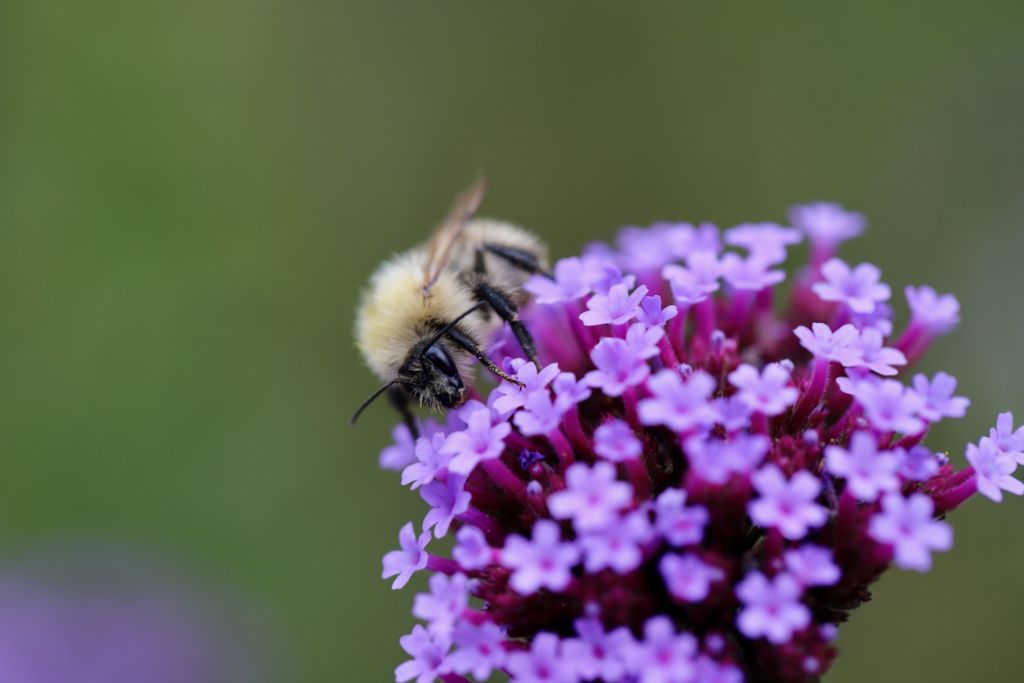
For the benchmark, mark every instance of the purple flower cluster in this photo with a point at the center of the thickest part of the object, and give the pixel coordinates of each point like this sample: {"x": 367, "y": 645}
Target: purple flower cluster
{"x": 689, "y": 492}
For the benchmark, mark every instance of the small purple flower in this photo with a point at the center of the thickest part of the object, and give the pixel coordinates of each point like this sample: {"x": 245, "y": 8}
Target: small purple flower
{"x": 685, "y": 241}
{"x": 840, "y": 346}
{"x": 614, "y": 440}
{"x": 592, "y": 497}
{"x": 749, "y": 273}
{"x": 730, "y": 412}
{"x": 596, "y": 654}
{"x": 600, "y": 273}
{"x": 993, "y": 470}
{"x": 695, "y": 282}
{"x": 542, "y": 663}
{"x": 652, "y": 314}
{"x": 1006, "y": 440}
{"x": 429, "y": 656}
{"x": 617, "y": 307}
{"x": 939, "y": 401}
{"x": 430, "y": 460}
{"x": 710, "y": 671}
{"x": 663, "y": 656}
{"x": 880, "y": 320}
{"x": 410, "y": 559}
{"x": 715, "y": 460}
{"x": 617, "y": 545}
{"x": 618, "y": 367}
{"x": 679, "y": 524}
{"x": 938, "y": 314}
{"x": 766, "y": 392}
{"x": 643, "y": 249}
{"x": 826, "y": 224}
{"x": 643, "y": 340}
{"x": 687, "y": 577}
{"x": 401, "y": 453}
{"x": 907, "y": 525}
{"x": 859, "y": 288}
{"x": 443, "y": 606}
{"x": 568, "y": 283}
{"x": 868, "y": 472}
{"x": 890, "y": 406}
{"x": 511, "y": 397}
{"x": 771, "y": 607}
{"x": 917, "y": 463}
{"x": 676, "y": 404}
{"x": 540, "y": 415}
{"x": 447, "y": 500}
{"x": 479, "y": 650}
{"x": 812, "y": 565}
{"x": 787, "y": 505}
{"x": 569, "y": 391}
{"x": 765, "y": 241}
{"x": 543, "y": 562}
{"x": 480, "y": 440}
{"x": 875, "y": 356}
{"x": 471, "y": 549}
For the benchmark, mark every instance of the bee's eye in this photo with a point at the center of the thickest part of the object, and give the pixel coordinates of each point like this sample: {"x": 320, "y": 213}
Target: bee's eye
{"x": 440, "y": 360}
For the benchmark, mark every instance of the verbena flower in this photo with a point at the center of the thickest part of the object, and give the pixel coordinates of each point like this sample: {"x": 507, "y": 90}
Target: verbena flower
{"x": 700, "y": 482}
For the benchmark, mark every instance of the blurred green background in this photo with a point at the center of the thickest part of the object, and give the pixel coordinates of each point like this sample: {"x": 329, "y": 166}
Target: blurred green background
{"x": 192, "y": 194}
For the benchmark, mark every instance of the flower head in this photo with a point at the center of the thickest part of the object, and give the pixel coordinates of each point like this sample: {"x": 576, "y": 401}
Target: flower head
{"x": 787, "y": 505}
{"x": 771, "y": 607}
{"x": 993, "y": 470}
{"x": 618, "y": 367}
{"x": 429, "y": 656}
{"x": 868, "y": 473}
{"x": 765, "y": 241}
{"x": 827, "y": 225}
{"x": 592, "y": 497}
{"x": 859, "y": 288}
{"x": 698, "y": 491}
{"x": 907, "y": 525}
{"x": 766, "y": 392}
{"x": 568, "y": 284}
{"x": 840, "y": 346}
{"x": 677, "y": 404}
{"x": 543, "y": 562}
{"x": 616, "y": 307}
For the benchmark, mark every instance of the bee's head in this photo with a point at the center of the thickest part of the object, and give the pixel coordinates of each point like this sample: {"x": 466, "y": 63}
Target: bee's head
{"x": 431, "y": 375}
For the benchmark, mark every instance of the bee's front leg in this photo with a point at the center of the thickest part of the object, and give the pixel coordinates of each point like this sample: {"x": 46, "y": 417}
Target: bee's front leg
{"x": 506, "y": 308}
{"x": 400, "y": 400}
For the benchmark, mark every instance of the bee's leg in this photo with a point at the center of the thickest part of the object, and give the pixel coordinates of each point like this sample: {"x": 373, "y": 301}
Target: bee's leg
{"x": 400, "y": 400}
{"x": 469, "y": 345}
{"x": 520, "y": 258}
{"x": 504, "y": 307}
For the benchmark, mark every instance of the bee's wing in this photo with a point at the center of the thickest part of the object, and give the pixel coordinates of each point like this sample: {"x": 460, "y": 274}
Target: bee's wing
{"x": 441, "y": 245}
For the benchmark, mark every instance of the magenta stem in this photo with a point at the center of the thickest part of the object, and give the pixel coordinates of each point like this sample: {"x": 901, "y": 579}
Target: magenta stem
{"x": 812, "y": 395}
{"x": 704, "y": 319}
{"x": 481, "y": 520}
{"x": 504, "y": 477}
{"x": 562, "y": 448}
{"x": 443, "y": 565}
{"x": 953, "y": 498}
{"x": 629, "y": 400}
{"x": 639, "y": 477}
{"x": 574, "y": 429}
{"x": 668, "y": 354}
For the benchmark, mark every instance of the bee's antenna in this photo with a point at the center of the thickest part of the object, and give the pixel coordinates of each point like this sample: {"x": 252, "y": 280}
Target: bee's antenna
{"x": 373, "y": 397}
{"x": 447, "y": 328}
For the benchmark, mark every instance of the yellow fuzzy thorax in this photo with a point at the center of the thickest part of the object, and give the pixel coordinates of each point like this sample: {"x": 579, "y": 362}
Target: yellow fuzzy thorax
{"x": 394, "y": 314}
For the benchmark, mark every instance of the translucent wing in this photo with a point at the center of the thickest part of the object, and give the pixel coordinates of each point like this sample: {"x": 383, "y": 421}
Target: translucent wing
{"x": 447, "y": 236}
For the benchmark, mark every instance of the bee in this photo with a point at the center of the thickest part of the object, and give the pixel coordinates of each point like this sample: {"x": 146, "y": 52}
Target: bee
{"x": 427, "y": 314}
